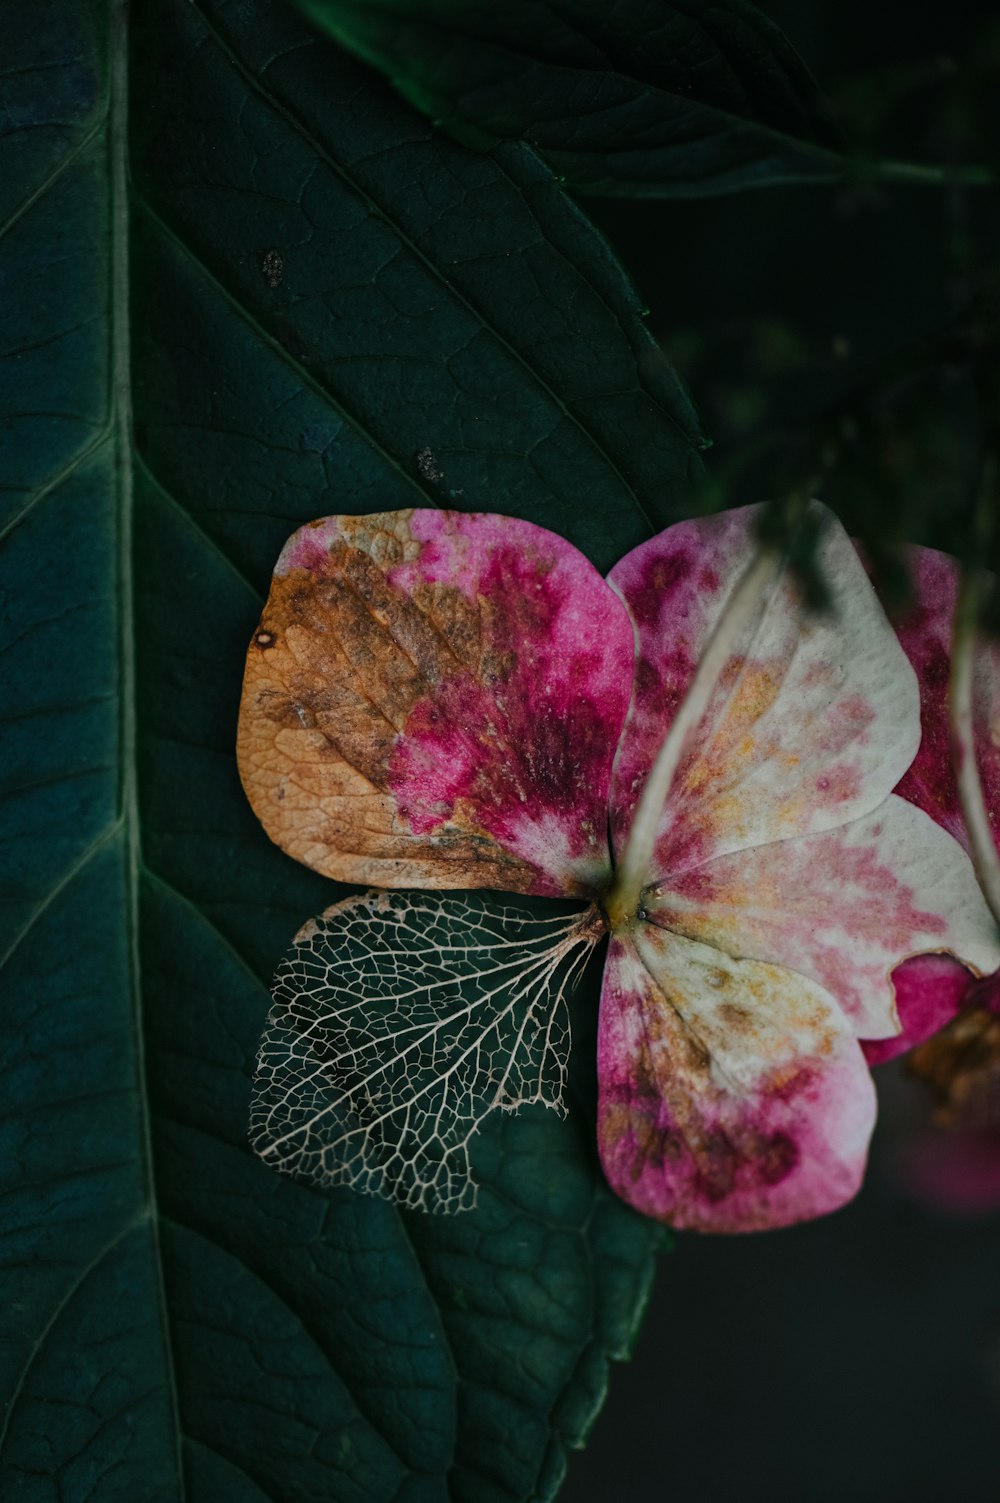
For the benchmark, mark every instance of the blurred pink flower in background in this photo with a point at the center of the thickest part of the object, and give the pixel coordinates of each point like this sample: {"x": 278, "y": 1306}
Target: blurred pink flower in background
{"x": 950, "y": 1016}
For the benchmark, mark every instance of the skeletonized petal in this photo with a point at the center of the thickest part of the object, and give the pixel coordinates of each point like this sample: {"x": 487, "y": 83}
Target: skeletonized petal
{"x": 812, "y": 723}
{"x": 733, "y": 1096}
{"x": 400, "y": 1020}
{"x": 925, "y": 633}
{"x": 434, "y": 700}
{"x": 843, "y": 907}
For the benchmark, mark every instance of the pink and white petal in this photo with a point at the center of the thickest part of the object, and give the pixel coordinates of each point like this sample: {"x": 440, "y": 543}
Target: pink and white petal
{"x": 813, "y": 722}
{"x": 434, "y": 699}
{"x": 986, "y": 713}
{"x": 845, "y": 907}
{"x": 930, "y": 990}
{"x": 925, "y": 635}
{"x": 732, "y": 1095}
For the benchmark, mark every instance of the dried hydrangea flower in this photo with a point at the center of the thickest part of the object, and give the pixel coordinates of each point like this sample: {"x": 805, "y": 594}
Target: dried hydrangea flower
{"x": 436, "y": 700}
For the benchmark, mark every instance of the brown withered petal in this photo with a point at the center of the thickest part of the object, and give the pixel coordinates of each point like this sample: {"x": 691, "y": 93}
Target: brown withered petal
{"x": 434, "y": 699}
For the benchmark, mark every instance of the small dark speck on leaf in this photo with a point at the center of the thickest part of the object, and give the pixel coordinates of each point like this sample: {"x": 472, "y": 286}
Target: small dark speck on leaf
{"x": 273, "y": 267}
{"x": 429, "y": 467}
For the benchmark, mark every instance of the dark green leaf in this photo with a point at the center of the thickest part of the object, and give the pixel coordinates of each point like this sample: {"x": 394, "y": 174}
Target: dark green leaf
{"x": 267, "y": 292}
{"x": 671, "y": 98}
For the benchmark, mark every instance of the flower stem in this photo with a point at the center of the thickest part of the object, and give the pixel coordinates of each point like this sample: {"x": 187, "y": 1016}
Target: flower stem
{"x": 934, "y": 174}
{"x": 621, "y": 903}
{"x": 985, "y": 857}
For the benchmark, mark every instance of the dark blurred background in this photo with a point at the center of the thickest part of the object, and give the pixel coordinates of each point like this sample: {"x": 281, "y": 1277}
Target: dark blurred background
{"x": 789, "y": 310}
{"x": 857, "y": 1357}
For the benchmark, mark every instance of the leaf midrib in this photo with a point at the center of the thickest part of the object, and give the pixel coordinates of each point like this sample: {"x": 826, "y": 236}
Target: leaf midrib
{"x": 128, "y": 797}
{"x": 111, "y": 133}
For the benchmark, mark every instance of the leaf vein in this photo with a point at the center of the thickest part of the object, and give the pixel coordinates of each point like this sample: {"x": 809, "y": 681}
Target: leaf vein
{"x": 283, "y": 1299}
{"x": 53, "y": 483}
{"x": 411, "y": 245}
{"x": 194, "y": 907}
{"x": 59, "y": 1308}
{"x": 58, "y": 886}
{"x": 61, "y": 166}
{"x": 320, "y": 388}
{"x": 189, "y": 517}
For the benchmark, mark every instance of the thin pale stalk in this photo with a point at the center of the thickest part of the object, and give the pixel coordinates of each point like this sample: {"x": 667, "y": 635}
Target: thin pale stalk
{"x": 935, "y": 174}
{"x": 962, "y": 693}
{"x": 622, "y": 902}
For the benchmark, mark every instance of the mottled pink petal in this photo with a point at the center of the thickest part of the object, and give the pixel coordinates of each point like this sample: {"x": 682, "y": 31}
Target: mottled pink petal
{"x": 733, "y": 1096}
{"x": 434, "y": 699}
{"x": 812, "y": 723}
{"x": 925, "y": 634}
{"x": 930, "y": 991}
{"x": 843, "y": 907}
